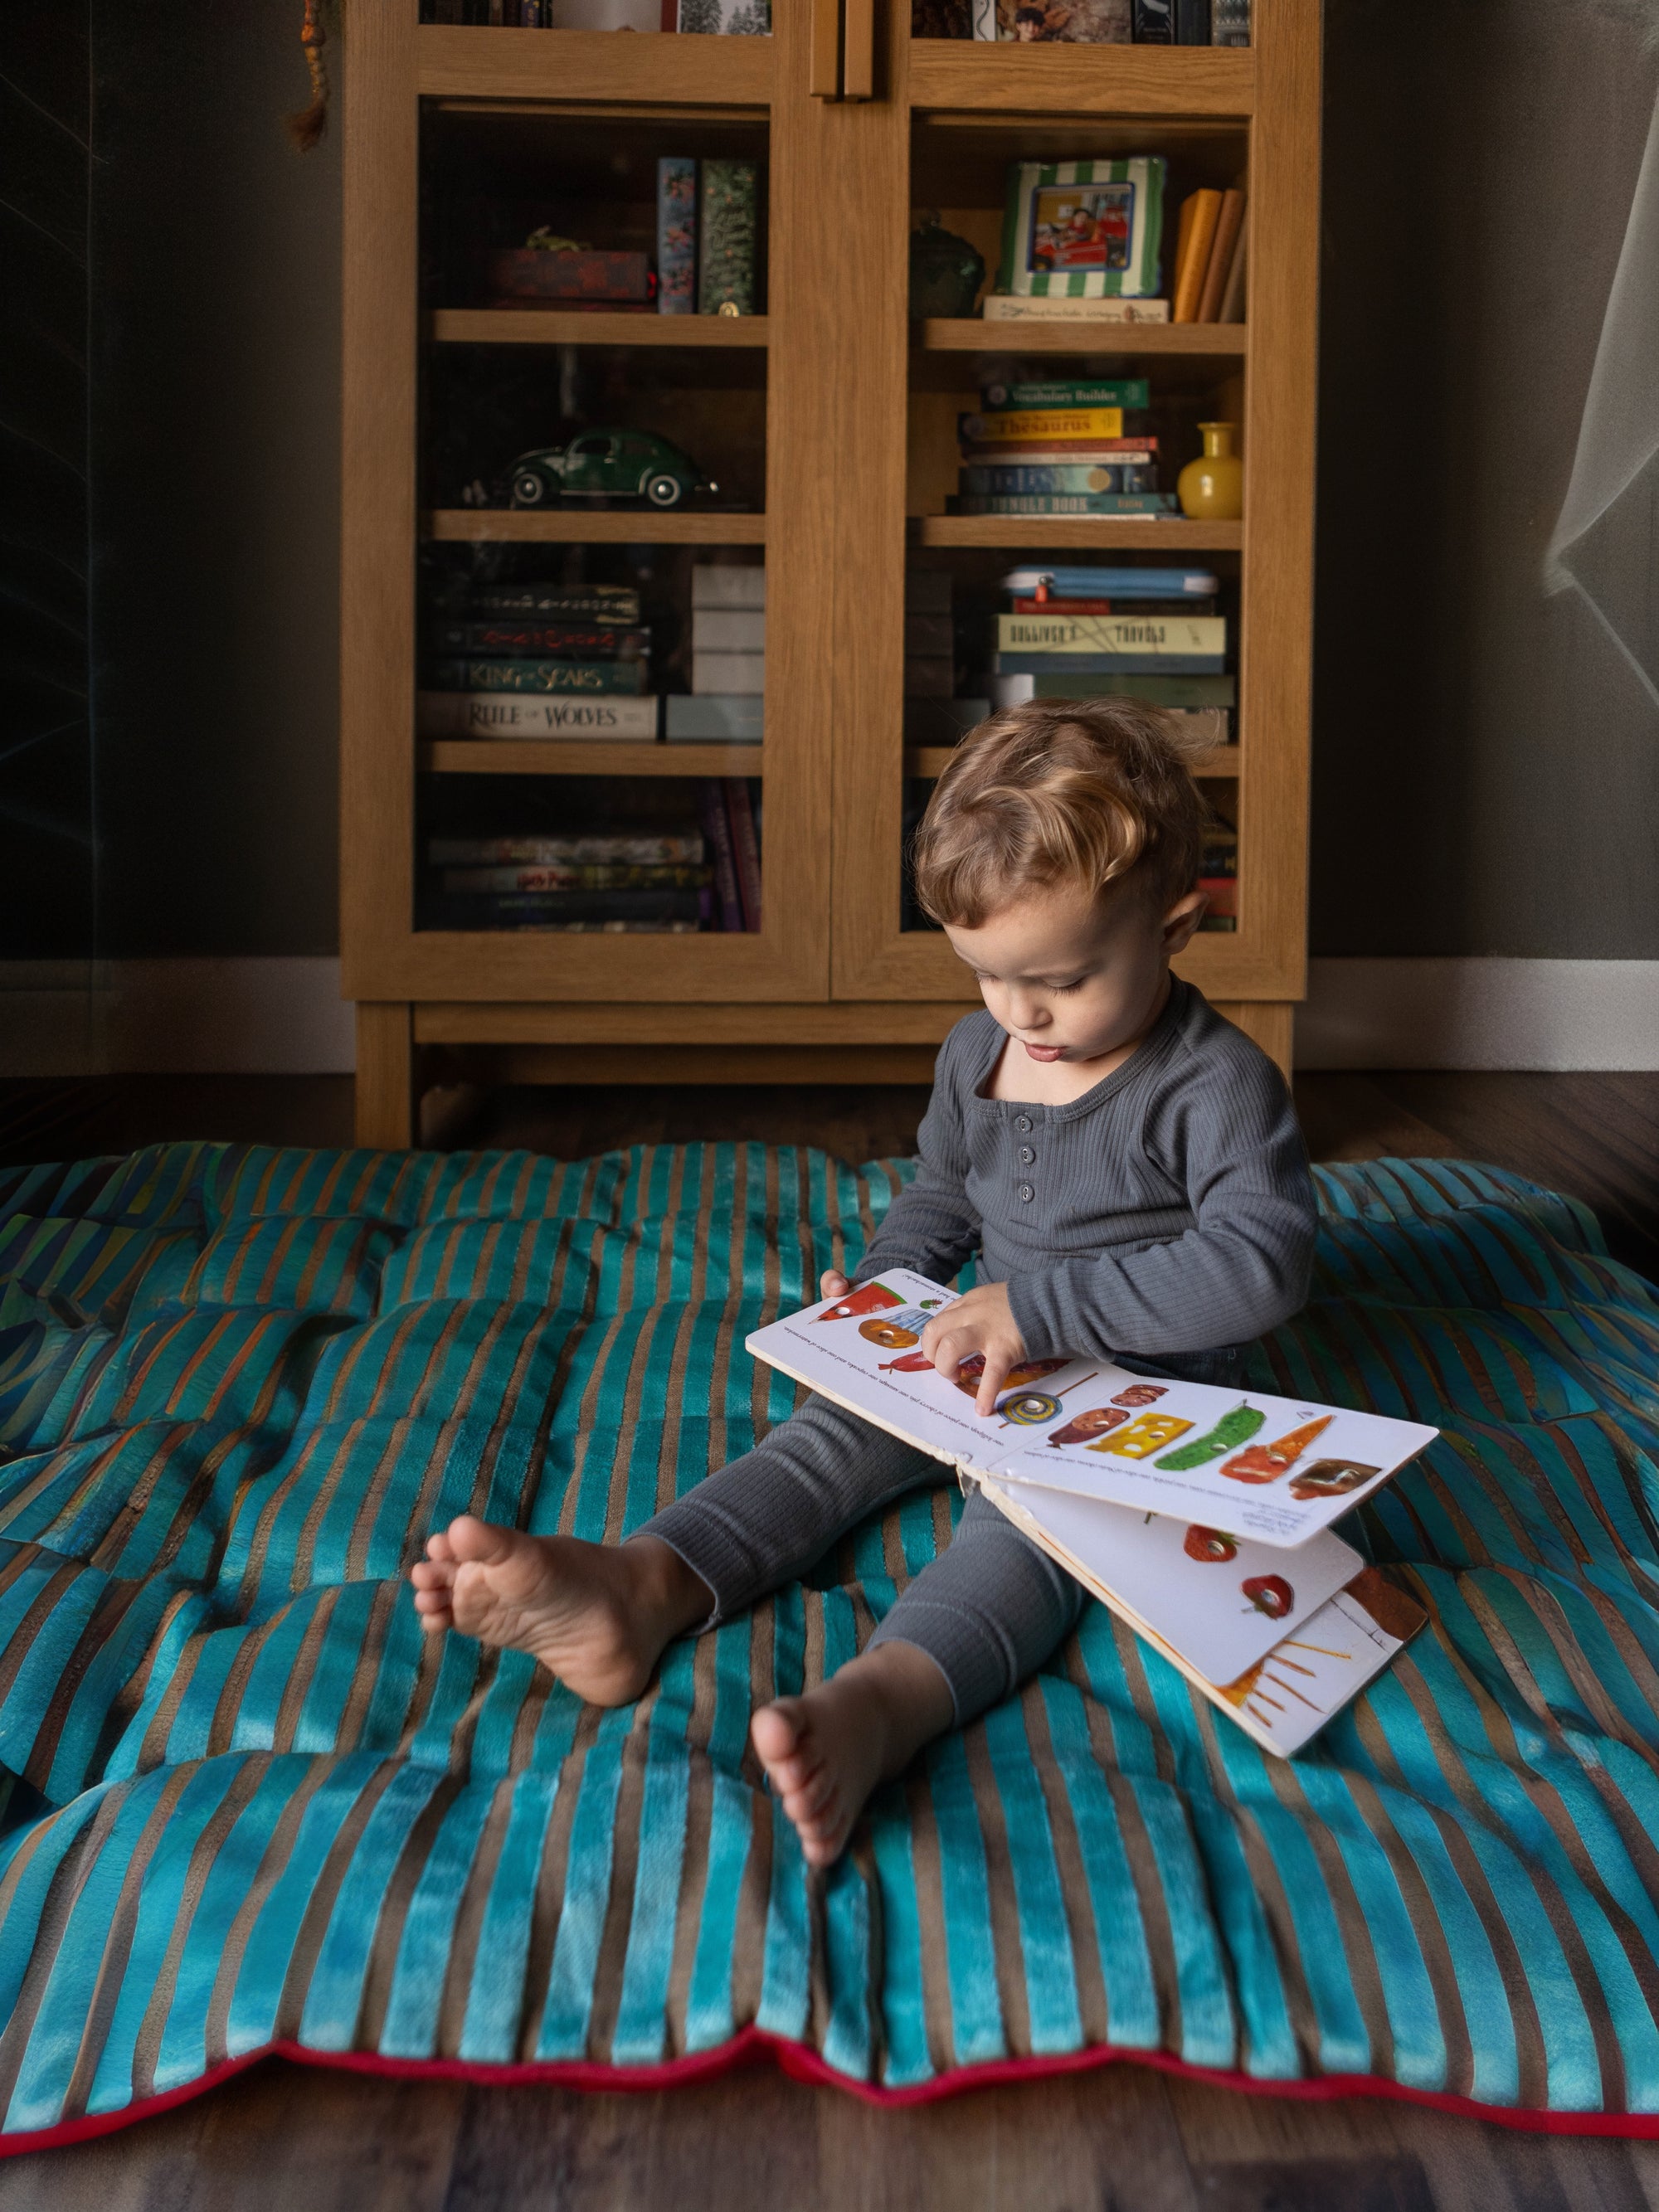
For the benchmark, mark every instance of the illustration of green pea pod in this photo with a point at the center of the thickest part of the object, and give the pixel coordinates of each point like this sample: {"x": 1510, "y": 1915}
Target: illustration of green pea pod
{"x": 1230, "y": 1432}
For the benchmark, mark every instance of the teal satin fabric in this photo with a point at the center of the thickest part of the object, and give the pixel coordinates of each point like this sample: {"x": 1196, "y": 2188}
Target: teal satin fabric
{"x": 247, "y": 1804}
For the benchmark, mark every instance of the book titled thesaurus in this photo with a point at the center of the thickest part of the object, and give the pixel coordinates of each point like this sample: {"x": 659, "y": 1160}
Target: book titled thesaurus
{"x": 1200, "y": 1516}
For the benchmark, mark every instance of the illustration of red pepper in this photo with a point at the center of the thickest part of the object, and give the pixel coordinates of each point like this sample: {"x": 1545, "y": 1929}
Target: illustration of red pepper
{"x": 1209, "y": 1544}
{"x": 869, "y": 1297}
{"x": 1269, "y": 1594}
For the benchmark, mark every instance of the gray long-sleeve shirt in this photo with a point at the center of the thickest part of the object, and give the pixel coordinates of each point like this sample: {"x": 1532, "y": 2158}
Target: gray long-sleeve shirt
{"x": 1169, "y": 1210}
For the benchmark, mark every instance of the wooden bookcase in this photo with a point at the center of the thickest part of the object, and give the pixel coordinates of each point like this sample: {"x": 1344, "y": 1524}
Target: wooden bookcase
{"x": 855, "y": 409}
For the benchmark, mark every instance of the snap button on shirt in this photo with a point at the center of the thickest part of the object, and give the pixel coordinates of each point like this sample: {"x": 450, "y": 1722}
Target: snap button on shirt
{"x": 1026, "y": 1156}
{"x": 1027, "y": 1193}
{"x": 1022, "y": 1122}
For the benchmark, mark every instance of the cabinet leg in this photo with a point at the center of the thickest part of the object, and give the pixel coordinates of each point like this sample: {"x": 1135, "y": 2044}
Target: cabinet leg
{"x": 1269, "y": 1023}
{"x": 386, "y": 1075}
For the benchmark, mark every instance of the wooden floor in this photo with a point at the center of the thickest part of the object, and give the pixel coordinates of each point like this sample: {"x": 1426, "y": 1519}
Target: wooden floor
{"x": 1121, "y": 2140}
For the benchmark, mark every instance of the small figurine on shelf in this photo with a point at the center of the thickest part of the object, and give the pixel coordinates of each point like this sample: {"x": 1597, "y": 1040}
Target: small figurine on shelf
{"x": 945, "y": 272}
{"x": 607, "y": 465}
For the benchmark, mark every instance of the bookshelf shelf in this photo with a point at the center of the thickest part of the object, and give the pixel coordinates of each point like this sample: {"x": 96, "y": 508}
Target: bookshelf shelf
{"x": 1102, "y": 533}
{"x": 524, "y": 756}
{"x": 1219, "y": 341}
{"x": 927, "y": 762}
{"x": 1173, "y": 81}
{"x": 681, "y": 73}
{"x": 550, "y": 327}
{"x": 834, "y": 421}
{"x": 644, "y": 525}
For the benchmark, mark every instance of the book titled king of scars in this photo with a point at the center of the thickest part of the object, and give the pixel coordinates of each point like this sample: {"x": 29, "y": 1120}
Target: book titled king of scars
{"x": 1201, "y": 1514}
{"x": 1084, "y": 230}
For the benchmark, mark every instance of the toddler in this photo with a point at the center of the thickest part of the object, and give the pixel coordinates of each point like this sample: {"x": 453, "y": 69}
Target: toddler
{"x": 1126, "y": 1166}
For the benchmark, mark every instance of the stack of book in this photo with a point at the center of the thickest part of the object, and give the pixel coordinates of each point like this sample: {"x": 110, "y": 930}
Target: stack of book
{"x": 1094, "y": 22}
{"x": 539, "y": 660}
{"x": 1060, "y": 448}
{"x": 728, "y": 659}
{"x": 707, "y": 230}
{"x": 1140, "y": 633}
{"x": 1209, "y": 261}
{"x": 654, "y": 881}
{"x": 1218, "y": 874}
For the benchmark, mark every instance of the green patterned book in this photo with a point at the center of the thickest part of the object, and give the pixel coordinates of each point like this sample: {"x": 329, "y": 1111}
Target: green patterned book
{"x": 726, "y": 260}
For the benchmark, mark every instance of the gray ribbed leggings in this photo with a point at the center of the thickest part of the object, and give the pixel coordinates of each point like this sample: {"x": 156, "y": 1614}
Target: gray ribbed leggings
{"x": 989, "y": 1610}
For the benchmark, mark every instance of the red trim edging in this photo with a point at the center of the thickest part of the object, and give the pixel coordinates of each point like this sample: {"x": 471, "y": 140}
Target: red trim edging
{"x": 753, "y": 2045}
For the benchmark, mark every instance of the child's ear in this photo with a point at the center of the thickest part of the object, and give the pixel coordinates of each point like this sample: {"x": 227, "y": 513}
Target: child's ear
{"x": 1182, "y": 919}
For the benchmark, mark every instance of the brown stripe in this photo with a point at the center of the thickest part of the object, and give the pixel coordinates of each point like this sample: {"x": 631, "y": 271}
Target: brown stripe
{"x": 68, "y": 1879}
{"x": 117, "y": 1943}
{"x": 323, "y": 1892}
{"x": 366, "y": 1671}
{"x": 462, "y": 1959}
{"x": 381, "y": 1968}
{"x": 754, "y": 1893}
{"x": 694, "y": 1859}
{"x": 1074, "y": 1892}
{"x": 1364, "y": 1975}
{"x": 668, "y": 1450}
{"x": 1007, "y": 1951}
{"x": 938, "y": 2015}
{"x": 612, "y": 1958}
{"x": 147, "y": 2044}
{"x": 549, "y": 1906}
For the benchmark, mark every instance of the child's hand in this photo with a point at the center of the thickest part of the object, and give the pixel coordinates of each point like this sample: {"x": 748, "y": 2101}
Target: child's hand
{"x": 832, "y": 1285}
{"x": 981, "y": 1321}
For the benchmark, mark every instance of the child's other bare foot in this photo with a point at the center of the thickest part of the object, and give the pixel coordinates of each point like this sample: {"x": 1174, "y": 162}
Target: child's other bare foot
{"x": 823, "y": 1753}
{"x": 597, "y": 1615}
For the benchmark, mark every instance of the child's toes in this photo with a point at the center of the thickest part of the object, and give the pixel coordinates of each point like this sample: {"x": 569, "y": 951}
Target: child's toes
{"x": 431, "y": 1574}
{"x": 439, "y": 1548}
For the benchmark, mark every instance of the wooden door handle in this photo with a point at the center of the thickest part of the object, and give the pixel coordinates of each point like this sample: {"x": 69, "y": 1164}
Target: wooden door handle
{"x": 858, "y": 72}
{"x": 824, "y": 83}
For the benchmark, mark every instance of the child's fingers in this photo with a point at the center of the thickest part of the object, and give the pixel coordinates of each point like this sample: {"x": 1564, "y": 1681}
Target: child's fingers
{"x": 833, "y": 1284}
{"x": 991, "y": 1381}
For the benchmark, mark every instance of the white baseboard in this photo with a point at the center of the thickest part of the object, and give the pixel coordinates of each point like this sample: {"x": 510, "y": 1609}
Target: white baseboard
{"x": 285, "y": 1016}
{"x": 1493, "y": 1013}
{"x": 272, "y": 1017}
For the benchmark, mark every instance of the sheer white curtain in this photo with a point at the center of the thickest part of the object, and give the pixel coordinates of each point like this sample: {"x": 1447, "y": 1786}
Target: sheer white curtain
{"x": 1606, "y": 542}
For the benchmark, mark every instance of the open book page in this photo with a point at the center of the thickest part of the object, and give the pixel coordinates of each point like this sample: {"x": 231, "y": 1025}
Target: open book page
{"x": 1218, "y": 1601}
{"x": 1320, "y": 1657}
{"x": 1267, "y": 1467}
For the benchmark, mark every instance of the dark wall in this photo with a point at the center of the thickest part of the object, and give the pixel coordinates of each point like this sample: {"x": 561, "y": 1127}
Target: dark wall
{"x": 1486, "y": 771}
{"x": 215, "y": 461}
{"x": 47, "y": 878}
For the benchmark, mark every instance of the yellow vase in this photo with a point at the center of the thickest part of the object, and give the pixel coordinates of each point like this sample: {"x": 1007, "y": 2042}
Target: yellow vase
{"x": 1211, "y": 488}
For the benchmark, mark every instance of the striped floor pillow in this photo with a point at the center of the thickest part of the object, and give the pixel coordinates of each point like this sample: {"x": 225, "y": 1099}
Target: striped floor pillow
{"x": 247, "y": 1808}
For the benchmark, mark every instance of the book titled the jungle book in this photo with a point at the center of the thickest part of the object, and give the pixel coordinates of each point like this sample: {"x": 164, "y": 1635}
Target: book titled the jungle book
{"x": 1200, "y": 1516}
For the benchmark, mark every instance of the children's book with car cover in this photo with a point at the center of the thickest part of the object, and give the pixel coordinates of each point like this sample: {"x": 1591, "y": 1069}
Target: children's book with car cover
{"x": 1200, "y": 1516}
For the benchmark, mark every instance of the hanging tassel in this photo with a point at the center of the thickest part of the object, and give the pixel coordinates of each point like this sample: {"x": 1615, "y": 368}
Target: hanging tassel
{"x": 307, "y": 127}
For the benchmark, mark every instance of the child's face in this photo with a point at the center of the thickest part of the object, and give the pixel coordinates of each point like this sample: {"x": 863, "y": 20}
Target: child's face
{"x": 1072, "y": 977}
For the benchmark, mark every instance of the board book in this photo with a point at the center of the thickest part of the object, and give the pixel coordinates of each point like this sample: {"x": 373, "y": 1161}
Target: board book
{"x": 1201, "y": 1516}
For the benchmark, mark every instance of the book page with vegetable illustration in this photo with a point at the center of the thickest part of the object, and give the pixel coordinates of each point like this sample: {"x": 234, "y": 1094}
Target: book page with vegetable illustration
{"x": 1199, "y": 1516}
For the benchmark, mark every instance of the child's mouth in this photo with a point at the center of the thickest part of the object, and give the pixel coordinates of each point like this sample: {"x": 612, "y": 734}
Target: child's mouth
{"x": 1046, "y": 1051}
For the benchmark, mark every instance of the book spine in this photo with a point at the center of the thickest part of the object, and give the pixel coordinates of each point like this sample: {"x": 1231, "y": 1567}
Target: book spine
{"x": 725, "y": 275}
{"x": 732, "y": 675}
{"x": 746, "y": 850}
{"x": 1030, "y": 425}
{"x": 677, "y": 235}
{"x": 1071, "y": 477}
{"x": 622, "y": 677}
{"x": 727, "y": 629}
{"x": 1119, "y": 634}
{"x": 1154, "y": 22}
{"x": 1232, "y": 299}
{"x": 1020, "y": 307}
{"x": 713, "y": 717}
{"x": 614, "y": 609}
{"x": 1221, "y": 257}
{"x": 565, "y": 852}
{"x": 983, "y": 18}
{"x": 717, "y": 834}
{"x": 1149, "y": 503}
{"x": 1192, "y": 23}
{"x": 586, "y": 876}
{"x": 1113, "y": 391}
{"x": 523, "y": 715}
{"x": 1123, "y": 451}
{"x": 1231, "y": 23}
{"x": 1123, "y": 606}
{"x": 1107, "y": 664}
{"x": 1196, "y": 257}
{"x": 1206, "y": 693}
{"x": 582, "y": 906}
{"x": 561, "y": 641}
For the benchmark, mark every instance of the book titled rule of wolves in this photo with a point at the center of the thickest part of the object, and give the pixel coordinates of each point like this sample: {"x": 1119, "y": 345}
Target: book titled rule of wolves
{"x": 1200, "y": 1516}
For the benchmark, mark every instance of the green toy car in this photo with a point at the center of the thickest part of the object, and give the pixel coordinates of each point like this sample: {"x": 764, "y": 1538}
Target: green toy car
{"x": 607, "y": 465}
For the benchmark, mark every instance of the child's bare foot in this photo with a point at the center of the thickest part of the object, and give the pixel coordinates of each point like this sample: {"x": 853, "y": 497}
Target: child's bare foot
{"x": 597, "y": 1615}
{"x": 823, "y": 1753}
